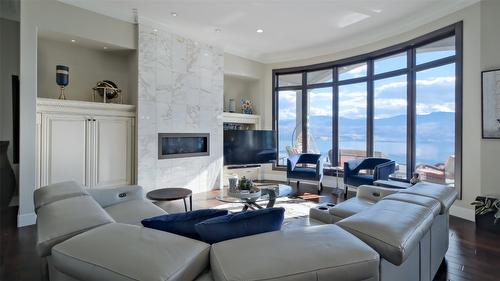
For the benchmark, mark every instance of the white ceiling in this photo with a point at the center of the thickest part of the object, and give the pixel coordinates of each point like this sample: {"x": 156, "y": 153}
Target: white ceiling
{"x": 293, "y": 29}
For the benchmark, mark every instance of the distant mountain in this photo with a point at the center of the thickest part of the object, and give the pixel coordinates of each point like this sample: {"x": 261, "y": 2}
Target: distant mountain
{"x": 434, "y": 127}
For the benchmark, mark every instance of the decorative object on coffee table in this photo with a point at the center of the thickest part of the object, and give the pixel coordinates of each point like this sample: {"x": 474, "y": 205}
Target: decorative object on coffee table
{"x": 171, "y": 194}
{"x": 62, "y": 79}
{"x": 246, "y": 190}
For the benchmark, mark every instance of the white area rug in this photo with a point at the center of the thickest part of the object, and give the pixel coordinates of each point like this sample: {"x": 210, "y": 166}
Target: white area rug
{"x": 296, "y": 211}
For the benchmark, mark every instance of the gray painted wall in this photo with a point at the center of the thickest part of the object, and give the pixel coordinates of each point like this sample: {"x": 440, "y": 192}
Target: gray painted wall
{"x": 87, "y": 66}
{"x": 490, "y": 59}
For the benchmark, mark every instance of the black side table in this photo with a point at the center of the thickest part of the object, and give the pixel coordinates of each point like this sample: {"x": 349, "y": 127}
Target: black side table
{"x": 170, "y": 194}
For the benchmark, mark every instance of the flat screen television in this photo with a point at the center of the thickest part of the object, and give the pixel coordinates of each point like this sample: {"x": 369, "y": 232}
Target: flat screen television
{"x": 247, "y": 147}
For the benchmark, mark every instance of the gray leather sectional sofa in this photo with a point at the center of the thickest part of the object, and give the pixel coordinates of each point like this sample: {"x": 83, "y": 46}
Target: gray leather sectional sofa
{"x": 97, "y": 235}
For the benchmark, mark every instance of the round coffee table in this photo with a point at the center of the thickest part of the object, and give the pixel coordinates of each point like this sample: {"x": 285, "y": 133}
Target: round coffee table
{"x": 269, "y": 193}
{"x": 170, "y": 194}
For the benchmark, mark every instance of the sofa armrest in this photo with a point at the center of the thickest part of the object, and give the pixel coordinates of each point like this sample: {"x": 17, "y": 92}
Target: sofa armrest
{"x": 114, "y": 195}
{"x": 374, "y": 193}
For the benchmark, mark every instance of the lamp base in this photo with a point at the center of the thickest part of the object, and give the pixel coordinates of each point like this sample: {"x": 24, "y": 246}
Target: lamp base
{"x": 62, "y": 96}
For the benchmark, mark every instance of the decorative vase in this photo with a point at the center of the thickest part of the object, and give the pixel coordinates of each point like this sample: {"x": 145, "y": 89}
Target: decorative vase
{"x": 62, "y": 79}
{"x": 232, "y": 105}
{"x": 7, "y": 177}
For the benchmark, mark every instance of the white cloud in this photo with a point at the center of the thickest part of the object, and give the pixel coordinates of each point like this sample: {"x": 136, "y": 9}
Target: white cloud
{"x": 393, "y": 85}
{"x": 436, "y": 81}
{"x": 356, "y": 72}
{"x": 320, "y": 111}
{"x": 287, "y": 114}
{"x": 423, "y": 108}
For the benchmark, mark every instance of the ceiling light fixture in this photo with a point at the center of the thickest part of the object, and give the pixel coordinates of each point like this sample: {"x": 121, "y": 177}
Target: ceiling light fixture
{"x": 218, "y": 30}
{"x": 155, "y": 30}
{"x": 260, "y": 30}
{"x": 105, "y": 48}
{"x": 73, "y": 40}
{"x": 174, "y": 14}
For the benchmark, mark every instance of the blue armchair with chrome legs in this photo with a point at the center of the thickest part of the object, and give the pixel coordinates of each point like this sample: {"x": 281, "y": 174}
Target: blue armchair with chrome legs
{"x": 381, "y": 167}
{"x": 299, "y": 169}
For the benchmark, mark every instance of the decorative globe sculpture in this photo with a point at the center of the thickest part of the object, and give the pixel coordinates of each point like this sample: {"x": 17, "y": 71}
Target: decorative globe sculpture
{"x": 107, "y": 90}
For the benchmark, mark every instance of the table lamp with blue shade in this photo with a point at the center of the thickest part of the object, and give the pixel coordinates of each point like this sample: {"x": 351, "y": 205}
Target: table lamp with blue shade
{"x": 62, "y": 79}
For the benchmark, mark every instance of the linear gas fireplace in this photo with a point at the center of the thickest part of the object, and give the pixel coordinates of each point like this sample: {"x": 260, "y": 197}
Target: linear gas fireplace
{"x": 179, "y": 145}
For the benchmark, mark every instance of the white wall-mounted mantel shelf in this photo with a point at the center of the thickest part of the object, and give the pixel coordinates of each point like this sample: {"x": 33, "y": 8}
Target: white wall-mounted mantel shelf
{"x": 84, "y": 107}
{"x": 239, "y": 118}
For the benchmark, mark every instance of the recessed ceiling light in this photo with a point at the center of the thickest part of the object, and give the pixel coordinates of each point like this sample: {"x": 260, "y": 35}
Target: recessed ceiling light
{"x": 105, "y": 48}
{"x": 174, "y": 14}
{"x": 218, "y": 30}
{"x": 155, "y": 30}
{"x": 260, "y": 30}
{"x": 73, "y": 40}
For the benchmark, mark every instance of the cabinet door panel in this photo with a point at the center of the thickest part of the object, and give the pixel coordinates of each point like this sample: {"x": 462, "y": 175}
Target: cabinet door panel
{"x": 64, "y": 149}
{"x": 113, "y": 149}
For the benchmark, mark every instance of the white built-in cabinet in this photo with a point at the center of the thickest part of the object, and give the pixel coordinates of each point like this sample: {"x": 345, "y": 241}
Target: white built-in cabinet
{"x": 90, "y": 143}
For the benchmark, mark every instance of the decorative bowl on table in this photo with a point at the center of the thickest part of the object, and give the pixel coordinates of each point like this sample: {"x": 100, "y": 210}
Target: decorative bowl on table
{"x": 253, "y": 193}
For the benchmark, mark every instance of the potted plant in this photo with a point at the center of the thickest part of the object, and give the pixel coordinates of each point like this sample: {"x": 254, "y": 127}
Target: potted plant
{"x": 487, "y": 213}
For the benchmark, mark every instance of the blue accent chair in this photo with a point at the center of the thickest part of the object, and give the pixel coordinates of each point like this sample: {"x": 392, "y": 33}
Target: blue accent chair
{"x": 381, "y": 167}
{"x": 298, "y": 169}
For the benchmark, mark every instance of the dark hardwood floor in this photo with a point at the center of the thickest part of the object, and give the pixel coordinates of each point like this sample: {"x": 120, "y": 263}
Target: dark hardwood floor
{"x": 472, "y": 255}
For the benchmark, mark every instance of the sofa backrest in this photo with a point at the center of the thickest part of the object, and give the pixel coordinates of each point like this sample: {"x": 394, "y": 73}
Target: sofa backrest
{"x": 55, "y": 192}
{"x": 446, "y": 195}
{"x": 63, "y": 213}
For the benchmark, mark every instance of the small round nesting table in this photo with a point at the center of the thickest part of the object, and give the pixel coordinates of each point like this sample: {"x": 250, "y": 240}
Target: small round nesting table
{"x": 171, "y": 194}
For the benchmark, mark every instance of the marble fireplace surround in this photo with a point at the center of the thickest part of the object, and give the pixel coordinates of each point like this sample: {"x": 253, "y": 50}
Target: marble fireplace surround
{"x": 180, "y": 91}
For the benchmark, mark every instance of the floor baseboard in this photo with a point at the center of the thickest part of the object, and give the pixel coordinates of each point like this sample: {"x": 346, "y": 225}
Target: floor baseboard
{"x": 26, "y": 219}
{"x": 462, "y": 212}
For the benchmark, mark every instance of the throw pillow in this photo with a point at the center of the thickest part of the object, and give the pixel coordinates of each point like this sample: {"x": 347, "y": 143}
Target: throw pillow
{"x": 182, "y": 223}
{"x": 240, "y": 224}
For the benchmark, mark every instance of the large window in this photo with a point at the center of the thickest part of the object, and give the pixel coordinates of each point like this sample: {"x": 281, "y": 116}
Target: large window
{"x": 402, "y": 103}
{"x": 352, "y": 121}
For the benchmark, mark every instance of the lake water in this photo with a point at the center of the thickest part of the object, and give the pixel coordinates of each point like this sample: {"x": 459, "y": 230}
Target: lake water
{"x": 427, "y": 152}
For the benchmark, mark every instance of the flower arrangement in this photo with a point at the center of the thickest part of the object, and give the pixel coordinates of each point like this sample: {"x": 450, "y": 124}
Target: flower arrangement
{"x": 246, "y": 106}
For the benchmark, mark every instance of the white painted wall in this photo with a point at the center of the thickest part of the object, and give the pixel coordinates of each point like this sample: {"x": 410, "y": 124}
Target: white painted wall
{"x": 490, "y": 59}
{"x": 86, "y": 65}
{"x": 244, "y": 78}
{"x": 9, "y": 65}
{"x": 473, "y": 175}
{"x": 53, "y": 16}
{"x": 237, "y": 88}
